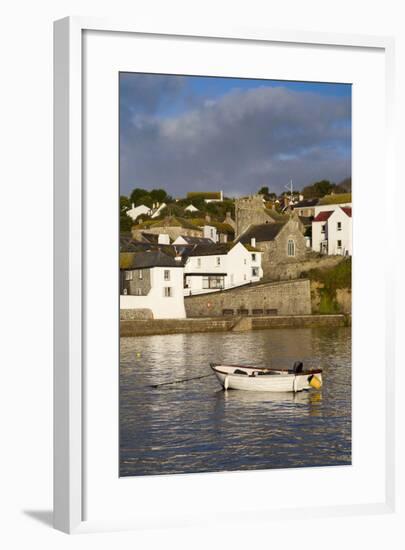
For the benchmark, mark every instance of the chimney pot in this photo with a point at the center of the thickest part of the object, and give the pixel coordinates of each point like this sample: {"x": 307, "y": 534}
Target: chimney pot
{"x": 253, "y": 242}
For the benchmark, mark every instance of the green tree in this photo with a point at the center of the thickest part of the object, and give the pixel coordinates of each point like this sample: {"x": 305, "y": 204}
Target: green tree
{"x": 125, "y": 203}
{"x": 318, "y": 189}
{"x": 146, "y": 200}
{"x": 125, "y": 222}
{"x": 264, "y": 191}
{"x": 158, "y": 195}
{"x": 137, "y": 194}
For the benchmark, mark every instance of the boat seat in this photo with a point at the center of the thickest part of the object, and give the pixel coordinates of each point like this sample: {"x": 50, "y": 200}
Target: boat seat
{"x": 239, "y": 371}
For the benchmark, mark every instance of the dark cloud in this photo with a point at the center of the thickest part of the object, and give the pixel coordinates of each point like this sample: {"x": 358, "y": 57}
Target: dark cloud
{"x": 239, "y": 142}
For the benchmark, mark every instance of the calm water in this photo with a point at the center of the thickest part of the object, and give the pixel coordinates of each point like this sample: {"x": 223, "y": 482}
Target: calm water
{"x": 197, "y": 427}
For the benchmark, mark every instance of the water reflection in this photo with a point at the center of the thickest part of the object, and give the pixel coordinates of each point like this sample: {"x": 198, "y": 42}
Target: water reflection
{"x": 195, "y": 426}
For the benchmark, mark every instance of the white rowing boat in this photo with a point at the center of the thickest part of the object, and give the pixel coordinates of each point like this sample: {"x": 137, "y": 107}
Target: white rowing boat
{"x": 237, "y": 377}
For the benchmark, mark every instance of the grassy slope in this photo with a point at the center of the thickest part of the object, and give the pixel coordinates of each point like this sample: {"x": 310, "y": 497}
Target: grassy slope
{"x": 331, "y": 280}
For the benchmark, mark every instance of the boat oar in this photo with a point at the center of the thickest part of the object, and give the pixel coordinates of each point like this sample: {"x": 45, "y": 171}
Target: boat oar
{"x": 181, "y": 381}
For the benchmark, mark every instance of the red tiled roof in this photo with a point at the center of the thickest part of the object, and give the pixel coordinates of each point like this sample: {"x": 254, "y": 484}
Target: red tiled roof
{"x": 323, "y": 216}
{"x": 347, "y": 210}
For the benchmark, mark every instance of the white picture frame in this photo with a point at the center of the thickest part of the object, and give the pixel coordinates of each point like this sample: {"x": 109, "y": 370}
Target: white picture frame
{"x": 70, "y": 212}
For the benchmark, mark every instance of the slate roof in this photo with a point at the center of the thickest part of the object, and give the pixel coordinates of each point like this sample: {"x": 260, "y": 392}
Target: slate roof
{"x": 146, "y": 259}
{"x": 151, "y": 237}
{"x": 214, "y": 249}
{"x": 197, "y": 240}
{"x": 306, "y": 220}
{"x": 128, "y": 244}
{"x": 306, "y": 203}
{"x": 262, "y": 232}
{"x": 347, "y": 210}
{"x": 323, "y": 216}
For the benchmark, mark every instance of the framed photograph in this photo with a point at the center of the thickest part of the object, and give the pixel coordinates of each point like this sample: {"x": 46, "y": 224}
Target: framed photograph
{"x": 216, "y": 289}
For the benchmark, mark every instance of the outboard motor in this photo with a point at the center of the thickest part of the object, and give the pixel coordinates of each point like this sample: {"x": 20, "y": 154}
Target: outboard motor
{"x": 298, "y": 367}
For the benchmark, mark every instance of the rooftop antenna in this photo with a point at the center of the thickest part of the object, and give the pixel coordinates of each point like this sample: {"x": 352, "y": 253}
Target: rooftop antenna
{"x": 290, "y": 189}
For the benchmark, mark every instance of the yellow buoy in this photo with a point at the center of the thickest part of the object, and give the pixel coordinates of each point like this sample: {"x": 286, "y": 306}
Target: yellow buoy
{"x": 315, "y": 382}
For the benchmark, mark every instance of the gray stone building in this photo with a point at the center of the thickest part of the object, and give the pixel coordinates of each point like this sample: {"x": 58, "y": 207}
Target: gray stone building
{"x": 252, "y": 210}
{"x": 280, "y": 244}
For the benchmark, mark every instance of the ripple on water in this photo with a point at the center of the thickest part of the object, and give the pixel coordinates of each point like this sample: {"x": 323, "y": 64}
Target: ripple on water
{"x": 196, "y": 427}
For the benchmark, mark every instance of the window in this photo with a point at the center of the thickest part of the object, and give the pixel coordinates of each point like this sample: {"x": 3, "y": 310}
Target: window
{"x": 166, "y": 275}
{"x": 323, "y": 228}
{"x": 244, "y": 261}
{"x": 128, "y": 275}
{"x": 339, "y": 226}
{"x": 290, "y": 248}
{"x": 244, "y": 277}
{"x": 255, "y": 271}
{"x": 167, "y": 292}
{"x": 218, "y": 260}
{"x": 213, "y": 281}
{"x": 138, "y": 292}
{"x": 212, "y": 233}
{"x": 198, "y": 262}
{"x": 339, "y": 243}
{"x": 253, "y": 257}
{"x": 140, "y": 274}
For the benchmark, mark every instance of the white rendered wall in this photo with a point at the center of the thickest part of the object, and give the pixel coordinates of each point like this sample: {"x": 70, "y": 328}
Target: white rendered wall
{"x": 317, "y": 235}
{"x": 237, "y": 265}
{"x": 162, "y": 307}
{"x": 344, "y": 235}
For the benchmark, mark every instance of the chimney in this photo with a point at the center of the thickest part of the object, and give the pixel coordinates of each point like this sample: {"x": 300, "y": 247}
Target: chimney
{"x": 253, "y": 242}
{"x": 177, "y": 258}
{"x": 228, "y": 217}
{"x": 207, "y": 218}
{"x": 133, "y": 205}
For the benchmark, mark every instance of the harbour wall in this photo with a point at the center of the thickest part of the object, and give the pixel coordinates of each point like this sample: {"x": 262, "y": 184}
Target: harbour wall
{"x": 149, "y": 327}
{"x": 273, "y": 298}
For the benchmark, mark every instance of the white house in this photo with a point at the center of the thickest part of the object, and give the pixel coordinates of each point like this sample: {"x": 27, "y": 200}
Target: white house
{"x": 135, "y": 211}
{"x": 152, "y": 280}
{"x": 191, "y": 208}
{"x": 221, "y": 266}
{"x": 332, "y": 232}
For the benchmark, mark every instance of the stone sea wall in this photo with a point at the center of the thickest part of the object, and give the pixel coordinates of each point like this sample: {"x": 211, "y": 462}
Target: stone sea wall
{"x": 276, "y": 298}
{"x": 176, "y": 326}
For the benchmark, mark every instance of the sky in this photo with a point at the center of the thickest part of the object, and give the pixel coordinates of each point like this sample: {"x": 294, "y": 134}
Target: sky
{"x": 192, "y": 133}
